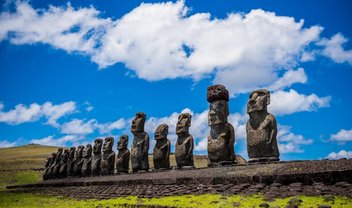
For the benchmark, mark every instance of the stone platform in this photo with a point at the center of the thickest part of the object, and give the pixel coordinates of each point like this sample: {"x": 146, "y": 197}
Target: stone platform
{"x": 273, "y": 180}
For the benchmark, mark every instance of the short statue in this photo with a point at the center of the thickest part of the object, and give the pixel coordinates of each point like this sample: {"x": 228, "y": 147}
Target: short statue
{"x": 63, "y": 164}
{"x": 56, "y": 167}
{"x": 161, "y": 152}
{"x": 96, "y": 160}
{"x": 87, "y": 161}
{"x": 108, "y": 157}
{"x": 70, "y": 164}
{"x": 261, "y": 129}
{"x": 140, "y": 144}
{"x": 123, "y": 156}
{"x": 222, "y": 135}
{"x": 78, "y": 161}
{"x": 184, "y": 144}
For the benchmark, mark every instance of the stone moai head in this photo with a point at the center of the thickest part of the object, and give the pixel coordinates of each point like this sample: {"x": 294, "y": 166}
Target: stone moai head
{"x": 53, "y": 156}
{"x": 88, "y": 151}
{"x": 161, "y": 132}
{"x": 59, "y": 151}
{"x": 258, "y": 101}
{"x": 98, "y": 144}
{"x": 138, "y": 122}
{"x": 218, "y": 97}
{"x": 183, "y": 123}
{"x": 108, "y": 144}
{"x": 79, "y": 151}
{"x": 72, "y": 152}
{"x": 66, "y": 153}
{"x": 123, "y": 142}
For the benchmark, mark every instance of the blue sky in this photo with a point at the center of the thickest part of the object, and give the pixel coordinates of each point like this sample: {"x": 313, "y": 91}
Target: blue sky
{"x": 74, "y": 71}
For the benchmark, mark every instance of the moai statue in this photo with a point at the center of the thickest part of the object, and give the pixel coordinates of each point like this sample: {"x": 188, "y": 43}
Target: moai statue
{"x": 70, "y": 161}
{"x": 49, "y": 172}
{"x": 140, "y": 144}
{"x": 261, "y": 129}
{"x": 48, "y": 163}
{"x": 222, "y": 135}
{"x": 161, "y": 152}
{"x": 96, "y": 161}
{"x": 123, "y": 156}
{"x": 78, "y": 161}
{"x": 87, "y": 161}
{"x": 108, "y": 157}
{"x": 184, "y": 144}
{"x": 56, "y": 167}
{"x": 64, "y": 163}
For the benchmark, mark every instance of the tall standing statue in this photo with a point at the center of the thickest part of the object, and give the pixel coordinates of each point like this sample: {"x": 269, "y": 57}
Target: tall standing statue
{"x": 140, "y": 144}
{"x": 78, "y": 161}
{"x": 161, "y": 152}
{"x": 222, "y": 135}
{"x": 96, "y": 161}
{"x": 49, "y": 162}
{"x": 63, "y": 164}
{"x": 70, "y": 163}
{"x": 123, "y": 156}
{"x": 49, "y": 173}
{"x": 261, "y": 128}
{"x": 87, "y": 161}
{"x": 108, "y": 157}
{"x": 184, "y": 144}
{"x": 56, "y": 167}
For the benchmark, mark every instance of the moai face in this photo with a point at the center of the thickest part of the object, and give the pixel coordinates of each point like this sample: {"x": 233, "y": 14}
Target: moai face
{"x": 88, "y": 151}
{"x": 66, "y": 153}
{"x": 79, "y": 151}
{"x": 72, "y": 152}
{"x": 59, "y": 152}
{"x": 138, "y": 122}
{"x": 183, "y": 123}
{"x": 258, "y": 101}
{"x": 108, "y": 144}
{"x": 218, "y": 112}
{"x": 161, "y": 132}
{"x": 98, "y": 144}
{"x": 123, "y": 142}
{"x": 53, "y": 157}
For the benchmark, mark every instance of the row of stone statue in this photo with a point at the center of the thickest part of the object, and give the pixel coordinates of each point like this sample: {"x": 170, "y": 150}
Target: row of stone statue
{"x": 261, "y": 131}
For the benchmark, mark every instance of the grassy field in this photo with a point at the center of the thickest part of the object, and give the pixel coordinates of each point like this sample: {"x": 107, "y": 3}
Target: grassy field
{"x": 18, "y": 165}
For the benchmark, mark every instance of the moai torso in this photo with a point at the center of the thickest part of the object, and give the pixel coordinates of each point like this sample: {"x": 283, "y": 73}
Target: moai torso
{"x": 222, "y": 135}
{"x": 56, "y": 168}
{"x": 49, "y": 173}
{"x": 63, "y": 164}
{"x": 123, "y": 156}
{"x": 140, "y": 144}
{"x": 184, "y": 144}
{"x": 161, "y": 152}
{"x": 108, "y": 157}
{"x": 96, "y": 160}
{"x": 70, "y": 162}
{"x": 78, "y": 161}
{"x": 48, "y": 164}
{"x": 87, "y": 161}
{"x": 261, "y": 129}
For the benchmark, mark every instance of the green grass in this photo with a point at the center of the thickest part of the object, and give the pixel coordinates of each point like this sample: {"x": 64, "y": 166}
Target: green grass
{"x": 207, "y": 200}
{"x": 18, "y": 177}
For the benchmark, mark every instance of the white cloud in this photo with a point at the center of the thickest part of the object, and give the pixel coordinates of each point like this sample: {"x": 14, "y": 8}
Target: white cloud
{"x": 340, "y": 154}
{"x": 62, "y": 141}
{"x": 342, "y": 136}
{"x": 77, "y": 126}
{"x": 290, "y": 142}
{"x": 288, "y": 102}
{"x": 163, "y": 40}
{"x": 110, "y": 126}
{"x": 22, "y": 114}
{"x": 5, "y": 143}
{"x": 334, "y": 50}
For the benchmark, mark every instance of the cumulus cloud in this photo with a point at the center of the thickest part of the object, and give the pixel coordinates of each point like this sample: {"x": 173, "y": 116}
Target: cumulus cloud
{"x": 342, "y": 136}
{"x": 333, "y": 48}
{"x": 340, "y": 154}
{"x": 22, "y": 113}
{"x": 77, "y": 126}
{"x": 61, "y": 142}
{"x": 5, "y": 143}
{"x": 288, "y": 102}
{"x": 290, "y": 142}
{"x": 110, "y": 126}
{"x": 165, "y": 41}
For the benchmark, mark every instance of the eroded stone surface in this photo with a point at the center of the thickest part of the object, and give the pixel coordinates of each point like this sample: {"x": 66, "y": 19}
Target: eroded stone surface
{"x": 96, "y": 160}
{"x": 161, "y": 152}
{"x": 78, "y": 161}
{"x": 184, "y": 145}
{"x": 87, "y": 161}
{"x": 123, "y": 156}
{"x": 140, "y": 144}
{"x": 108, "y": 157}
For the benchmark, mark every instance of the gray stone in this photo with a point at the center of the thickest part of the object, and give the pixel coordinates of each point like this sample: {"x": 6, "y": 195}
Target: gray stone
{"x": 96, "y": 160}
{"x": 140, "y": 144}
{"x": 64, "y": 163}
{"x": 161, "y": 152}
{"x": 261, "y": 129}
{"x": 56, "y": 165}
{"x": 184, "y": 144}
{"x": 70, "y": 163}
{"x": 48, "y": 164}
{"x": 78, "y": 161}
{"x": 123, "y": 156}
{"x": 108, "y": 157}
{"x": 87, "y": 160}
{"x": 222, "y": 135}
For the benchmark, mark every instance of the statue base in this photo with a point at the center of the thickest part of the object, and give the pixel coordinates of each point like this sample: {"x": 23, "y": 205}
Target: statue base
{"x": 263, "y": 159}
